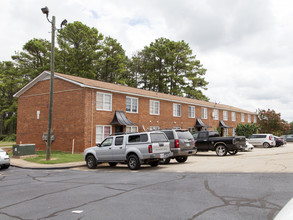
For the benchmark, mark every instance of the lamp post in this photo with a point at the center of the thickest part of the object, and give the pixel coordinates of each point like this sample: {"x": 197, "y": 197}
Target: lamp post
{"x": 45, "y": 10}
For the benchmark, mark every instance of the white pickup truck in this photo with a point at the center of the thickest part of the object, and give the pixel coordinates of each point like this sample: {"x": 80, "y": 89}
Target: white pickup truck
{"x": 134, "y": 149}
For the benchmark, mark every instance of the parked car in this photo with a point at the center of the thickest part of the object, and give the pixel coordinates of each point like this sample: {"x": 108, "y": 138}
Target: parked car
{"x": 211, "y": 140}
{"x": 283, "y": 138}
{"x": 288, "y": 137}
{"x": 265, "y": 140}
{"x": 248, "y": 146}
{"x": 279, "y": 141}
{"x": 4, "y": 159}
{"x": 134, "y": 149}
{"x": 182, "y": 145}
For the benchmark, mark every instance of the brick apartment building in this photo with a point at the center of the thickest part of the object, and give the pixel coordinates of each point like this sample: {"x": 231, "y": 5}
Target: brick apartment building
{"x": 85, "y": 111}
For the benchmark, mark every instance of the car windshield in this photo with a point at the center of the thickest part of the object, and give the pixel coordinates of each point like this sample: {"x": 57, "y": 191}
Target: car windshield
{"x": 184, "y": 135}
{"x": 158, "y": 137}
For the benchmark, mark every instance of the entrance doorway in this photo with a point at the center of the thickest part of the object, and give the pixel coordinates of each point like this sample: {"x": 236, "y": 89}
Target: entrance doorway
{"x": 118, "y": 129}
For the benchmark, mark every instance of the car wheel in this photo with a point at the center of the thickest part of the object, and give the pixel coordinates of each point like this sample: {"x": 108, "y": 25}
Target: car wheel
{"x": 91, "y": 161}
{"x": 165, "y": 161}
{"x": 221, "y": 150}
{"x": 154, "y": 163}
{"x": 113, "y": 164}
{"x": 6, "y": 166}
{"x": 266, "y": 145}
{"x": 233, "y": 152}
{"x": 133, "y": 162}
{"x": 181, "y": 159}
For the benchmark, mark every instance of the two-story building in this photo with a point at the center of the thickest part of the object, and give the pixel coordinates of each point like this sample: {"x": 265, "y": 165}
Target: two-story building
{"x": 86, "y": 111}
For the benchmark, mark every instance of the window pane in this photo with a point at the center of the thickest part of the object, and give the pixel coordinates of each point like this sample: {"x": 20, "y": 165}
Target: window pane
{"x": 99, "y": 101}
{"x": 134, "y": 105}
{"x": 128, "y": 104}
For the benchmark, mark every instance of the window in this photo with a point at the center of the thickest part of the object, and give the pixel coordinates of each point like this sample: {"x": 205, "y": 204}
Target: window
{"x": 104, "y": 101}
{"x": 102, "y": 131}
{"x": 242, "y": 117}
{"x": 192, "y": 129}
{"x": 248, "y": 118}
{"x": 176, "y": 110}
{"x": 233, "y": 116}
{"x": 131, "y": 129}
{"x": 204, "y": 113}
{"x": 138, "y": 138}
{"x": 154, "y": 107}
{"x": 107, "y": 142}
{"x": 191, "y": 111}
{"x": 254, "y": 118}
{"x": 216, "y": 114}
{"x": 154, "y": 128}
{"x": 131, "y": 104}
{"x": 233, "y": 132}
{"x": 118, "y": 140}
{"x": 226, "y": 134}
{"x": 225, "y": 115}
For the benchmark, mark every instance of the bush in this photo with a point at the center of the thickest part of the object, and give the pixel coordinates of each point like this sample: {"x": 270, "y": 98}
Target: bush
{"x": 246, "y": 129}
{"x": 10, "y": 138}
{"x": 2, "y": 137}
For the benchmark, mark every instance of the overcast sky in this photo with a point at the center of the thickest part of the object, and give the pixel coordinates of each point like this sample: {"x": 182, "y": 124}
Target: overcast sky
{"x": 245, "y": 45}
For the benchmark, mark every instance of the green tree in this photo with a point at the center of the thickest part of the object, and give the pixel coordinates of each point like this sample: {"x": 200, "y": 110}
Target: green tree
{"x": 112, "y": 62}
{"x": 170, "y": 67}
{"x": 246, "y": 129}
{"x": 10, "y": 83}
{"x": 80, "y": 47}
{"x": 34, "y": 59}
{"x": 271, "y": 122}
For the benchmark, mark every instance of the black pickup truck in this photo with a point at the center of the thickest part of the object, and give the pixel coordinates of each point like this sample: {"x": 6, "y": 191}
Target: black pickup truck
{"x": 211, "y": 140}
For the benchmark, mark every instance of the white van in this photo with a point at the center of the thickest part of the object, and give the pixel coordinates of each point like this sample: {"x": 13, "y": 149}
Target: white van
{"x": 265, "y": 140}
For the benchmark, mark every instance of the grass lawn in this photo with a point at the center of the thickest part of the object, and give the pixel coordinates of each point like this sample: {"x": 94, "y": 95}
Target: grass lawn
{"x": 56, "y": 157}
{"x": 6, "y": 144}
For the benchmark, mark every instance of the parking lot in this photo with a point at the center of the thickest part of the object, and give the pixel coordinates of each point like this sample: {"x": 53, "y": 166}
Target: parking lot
{"x": 259, "y": 160}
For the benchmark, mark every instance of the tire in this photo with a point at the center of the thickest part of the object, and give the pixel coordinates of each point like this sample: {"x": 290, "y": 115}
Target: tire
{"x": 165, "y": 161}
{"x": 6, "y": 166}
{"x": 154, "y": 163}
{"x": 91, "y": 161}
{"x": 113, "y": 164}
{"x": 181, "y": 159}
{"x": 266, "y": 145}
{"x": 233, "y": 152}
{"x": 221, "y": 150}
{"x": 133, "y": 162}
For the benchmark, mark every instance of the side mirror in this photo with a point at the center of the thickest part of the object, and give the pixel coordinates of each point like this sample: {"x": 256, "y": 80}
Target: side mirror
{"x": 99, "y": 145}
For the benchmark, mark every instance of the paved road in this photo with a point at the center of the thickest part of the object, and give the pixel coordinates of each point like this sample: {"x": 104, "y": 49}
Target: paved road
{"x": 109, "y": 194}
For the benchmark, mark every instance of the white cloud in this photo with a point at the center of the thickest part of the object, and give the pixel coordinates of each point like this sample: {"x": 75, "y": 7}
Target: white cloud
{"x": 246, "y": 46}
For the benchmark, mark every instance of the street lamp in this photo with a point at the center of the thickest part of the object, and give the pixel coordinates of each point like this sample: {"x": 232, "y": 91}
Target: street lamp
{"x": 45, "y": 10}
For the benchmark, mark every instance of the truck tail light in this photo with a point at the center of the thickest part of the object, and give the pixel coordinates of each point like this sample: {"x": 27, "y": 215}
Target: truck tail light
{"x": 270, "y": 138}
{"x": 195, "y": 143}
{"x": 150, "y": 149}
{"x": 176, "y": 143}
{"x": 170, "y": 146}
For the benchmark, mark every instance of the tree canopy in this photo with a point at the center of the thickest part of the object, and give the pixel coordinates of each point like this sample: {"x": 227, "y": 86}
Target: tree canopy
{"x": 163, "y": 66}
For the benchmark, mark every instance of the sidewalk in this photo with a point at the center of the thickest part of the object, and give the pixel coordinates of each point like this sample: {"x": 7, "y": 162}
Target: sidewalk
{"x": 29, "y": 165}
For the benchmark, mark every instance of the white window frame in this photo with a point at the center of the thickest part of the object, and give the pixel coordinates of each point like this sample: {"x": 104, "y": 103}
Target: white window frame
{"x": 131, "y": 104}
{"x": 233, "y": 116}
{"x": 102, "y": 136}
{"x": 131, "y": 129}
{"x": 154, "y": 107}
{"x": 248, "y": 118}
{"x": 216, "y": 114}
{"x": 103, "y": 101}
{"x": 226, "y": 132}
{"x": 176, "y": 110}
{"x": 225, "y": 115}
{"x": 154, "y": 128}
{"x": 242, "y": 117}
{"x": 204, "y": 113}
{"x": 233, "y": 132}
{"x": 191, "y": 111}
{"x": 254, "y": 118}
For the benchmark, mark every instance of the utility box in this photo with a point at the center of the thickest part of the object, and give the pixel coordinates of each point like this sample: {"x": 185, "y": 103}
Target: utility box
{"x": 24, "y": 149}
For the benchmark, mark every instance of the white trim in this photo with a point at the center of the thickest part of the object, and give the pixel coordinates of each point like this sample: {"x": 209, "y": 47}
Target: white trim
{"x": 103, "y": 126}
{"x": 131, "y": 104}
{"x": 103, "y": 109}
{"x": 175, "y": 112}
{"x": 204, "y": 113}
{"x": 192, "y": 113}
{"x": 153, "y": 106}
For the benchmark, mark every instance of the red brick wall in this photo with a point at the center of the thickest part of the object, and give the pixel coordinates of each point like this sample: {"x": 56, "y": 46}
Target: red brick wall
{"x": 68, "y": 116}
{"x": 75, "y": 116}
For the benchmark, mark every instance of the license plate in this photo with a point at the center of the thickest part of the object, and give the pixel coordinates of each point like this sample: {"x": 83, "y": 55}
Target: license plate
{"x": 187, "y": 145}
{"x": 162, "y": 156}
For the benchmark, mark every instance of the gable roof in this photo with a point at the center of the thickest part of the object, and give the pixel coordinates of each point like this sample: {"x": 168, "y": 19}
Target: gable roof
{"x": 105, "y": 86}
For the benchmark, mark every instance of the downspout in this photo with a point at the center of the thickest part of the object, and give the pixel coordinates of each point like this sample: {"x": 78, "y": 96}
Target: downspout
{"x": 92, "y": 116}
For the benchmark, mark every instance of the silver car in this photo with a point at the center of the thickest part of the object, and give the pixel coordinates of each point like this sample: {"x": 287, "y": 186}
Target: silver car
{"x": 182, "y": 145}
{"x": 4, "y": 159}
{"x": 265, "y": 140}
